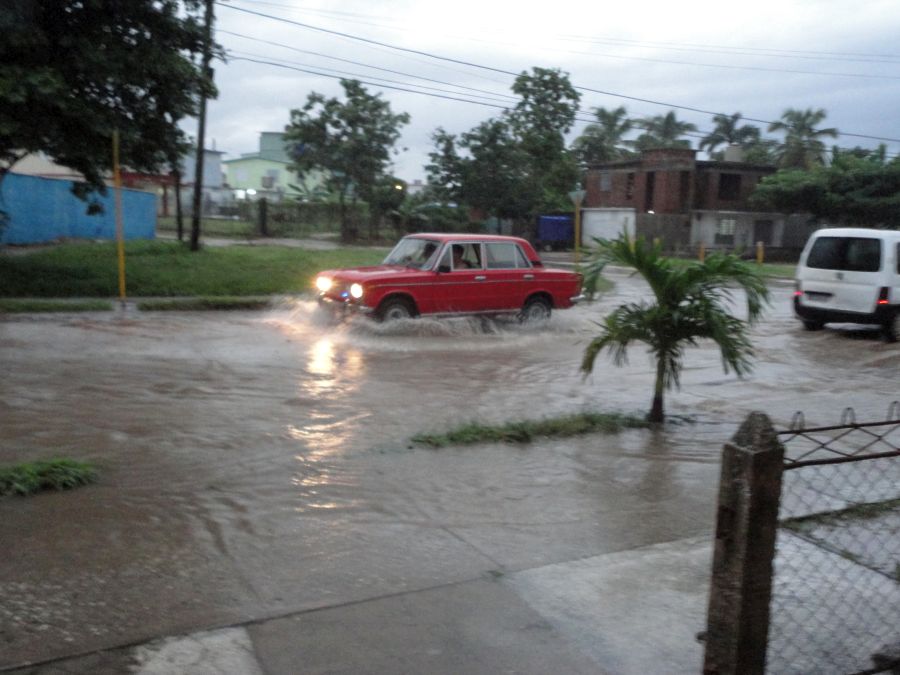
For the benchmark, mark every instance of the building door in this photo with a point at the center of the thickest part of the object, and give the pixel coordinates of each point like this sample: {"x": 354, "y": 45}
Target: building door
{"x": 762, "y": 231}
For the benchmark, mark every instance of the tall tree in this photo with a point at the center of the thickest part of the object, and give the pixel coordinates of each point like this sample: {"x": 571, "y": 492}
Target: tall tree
{"x": 662, "y": 131}
{"x": 691, "y": 302}
{"x": 351, "y": 140}
{"x": 803, "y": 147}
{"x": 444, "y": 169}
{"x": 543, "y": 115}
{"x": 604, "y": 140}
{"x": 728, "y": 131}
{"x": 72, "y": 71}
{"x": 516, "y": 165}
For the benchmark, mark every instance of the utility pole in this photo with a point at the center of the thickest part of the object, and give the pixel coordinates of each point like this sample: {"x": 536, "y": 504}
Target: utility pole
{"x": 201, "y": 130}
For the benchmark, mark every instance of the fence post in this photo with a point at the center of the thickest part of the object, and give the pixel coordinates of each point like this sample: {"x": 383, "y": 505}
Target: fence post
{"x": 263, "y": 216}
{"x": 746, "y": 526}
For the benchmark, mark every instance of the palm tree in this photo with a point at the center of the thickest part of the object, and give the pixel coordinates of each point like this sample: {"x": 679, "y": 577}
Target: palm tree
{"x": 802, "y": 147}
{"x": 691, "y": 304}
{"x": 663, "y": 131}
{"x": 603, "y": 140}
{"x": 727, "y": 132}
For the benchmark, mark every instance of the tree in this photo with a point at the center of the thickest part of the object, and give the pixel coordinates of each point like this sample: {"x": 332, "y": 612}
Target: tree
{"x": 72, "y": 71}
{"x": 852, "y": 191}
{"x": 444, "y": 171}
{"x": 384, "y": 197}
{"x": 802, "y": 147}
{"x": 352, "y": 141}
{"x": 543, "y": 115}
{"x": 495, "y": 177}
{"x": 516, "y": 165}
{"x": 604, "y": 141}
{"x": 662, "y": 131}
{"x": 728, "y": 132}
{"x": 691, "y": 303}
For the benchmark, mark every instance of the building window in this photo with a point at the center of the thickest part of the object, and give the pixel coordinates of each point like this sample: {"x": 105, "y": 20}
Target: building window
{"x": 725, "y": 231}
{"x": 684, "y": 190}
{"x": 605, "y": 181}
{"x": 729, "y": 186}
{"x": 629, "y": 186}
{"x": 648, "y": 191}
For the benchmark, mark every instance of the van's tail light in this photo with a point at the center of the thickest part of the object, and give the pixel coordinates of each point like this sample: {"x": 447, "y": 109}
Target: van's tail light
{"x": 797, "y": 291}
{"x": 883, "y": 295}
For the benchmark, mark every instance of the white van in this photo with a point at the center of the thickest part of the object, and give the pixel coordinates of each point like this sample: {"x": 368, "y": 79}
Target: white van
{"x": 850, "y": 275}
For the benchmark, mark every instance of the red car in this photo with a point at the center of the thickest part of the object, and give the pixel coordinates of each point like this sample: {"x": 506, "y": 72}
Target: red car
{"x": 452, "y": 274}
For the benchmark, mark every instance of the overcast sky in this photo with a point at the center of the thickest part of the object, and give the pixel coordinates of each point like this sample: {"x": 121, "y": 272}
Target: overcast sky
{"x": 754, "y": 58}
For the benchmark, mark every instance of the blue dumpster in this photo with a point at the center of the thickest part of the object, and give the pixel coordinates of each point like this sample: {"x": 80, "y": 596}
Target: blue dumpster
{"x": 555, "y": 232}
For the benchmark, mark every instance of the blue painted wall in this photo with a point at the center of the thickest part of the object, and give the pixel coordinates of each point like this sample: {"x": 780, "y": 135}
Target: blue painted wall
{"x": 44, "y": 209}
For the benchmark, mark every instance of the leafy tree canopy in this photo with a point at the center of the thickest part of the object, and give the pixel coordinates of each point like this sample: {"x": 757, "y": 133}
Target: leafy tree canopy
{"x": 604, "y": 140}
{"x": 352, "y": 140}
{"x": 516, "y": 165}
{"x": 802, "y": 147}
{"x": 861, "y": 191}
{"x": 729, "y": 131}
{"x": 72, "y": 71}
{"x": 663, "y": 131}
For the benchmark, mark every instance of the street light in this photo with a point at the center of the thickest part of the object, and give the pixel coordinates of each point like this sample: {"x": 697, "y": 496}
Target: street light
{"x": 577, "y": 196}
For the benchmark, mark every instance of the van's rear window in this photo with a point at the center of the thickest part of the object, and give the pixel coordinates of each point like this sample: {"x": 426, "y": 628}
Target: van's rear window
{"x": 854, "y": 254}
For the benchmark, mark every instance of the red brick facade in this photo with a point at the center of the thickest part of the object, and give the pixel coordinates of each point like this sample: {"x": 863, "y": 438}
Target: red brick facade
{"x": 672, "y": 181}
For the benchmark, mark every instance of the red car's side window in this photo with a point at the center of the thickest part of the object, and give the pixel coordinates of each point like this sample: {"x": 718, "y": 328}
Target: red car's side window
{"x": 505, "y": 257}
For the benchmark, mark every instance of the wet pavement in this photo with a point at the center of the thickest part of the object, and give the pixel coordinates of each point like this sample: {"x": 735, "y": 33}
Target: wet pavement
{"x": 257, "y": 466}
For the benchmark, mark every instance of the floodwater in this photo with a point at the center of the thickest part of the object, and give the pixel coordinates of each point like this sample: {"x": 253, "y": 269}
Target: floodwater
{"x": 255, "y": 464}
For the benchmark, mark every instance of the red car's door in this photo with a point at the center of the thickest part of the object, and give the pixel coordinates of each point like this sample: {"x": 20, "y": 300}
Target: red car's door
{"x": 460, "y": 282}
{"x": 510, "y": 277}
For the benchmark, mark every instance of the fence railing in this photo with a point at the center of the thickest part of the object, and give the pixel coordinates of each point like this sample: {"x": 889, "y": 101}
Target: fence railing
{"x": 806, "y": 571}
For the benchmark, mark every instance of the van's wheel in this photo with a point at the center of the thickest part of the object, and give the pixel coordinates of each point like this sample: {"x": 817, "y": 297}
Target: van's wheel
{"x": 535, "y": 309}
{"x": 812, "y": 325}
{"x": 890, "y": 331}
{"x": 395, "y": 309}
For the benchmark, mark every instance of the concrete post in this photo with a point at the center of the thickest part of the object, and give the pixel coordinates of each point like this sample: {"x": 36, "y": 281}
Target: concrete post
{"x": 263, "y": 217}
{"x": 746, "y": 526}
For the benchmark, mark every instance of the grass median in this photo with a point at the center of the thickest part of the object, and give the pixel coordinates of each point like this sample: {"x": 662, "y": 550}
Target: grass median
{"x": 165, "y": 269}
{"x": 526, "y": 431}
{"x": 51, "y": 474}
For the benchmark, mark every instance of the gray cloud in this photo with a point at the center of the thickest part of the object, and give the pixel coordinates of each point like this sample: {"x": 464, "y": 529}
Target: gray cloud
{"x": 644, "y": 51}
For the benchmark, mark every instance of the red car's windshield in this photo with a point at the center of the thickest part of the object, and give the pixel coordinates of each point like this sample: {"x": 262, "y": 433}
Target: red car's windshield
{"x": 413, "y": 252}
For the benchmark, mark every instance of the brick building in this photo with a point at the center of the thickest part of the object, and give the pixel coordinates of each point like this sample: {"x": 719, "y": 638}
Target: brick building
{"x": 667, "y": 193}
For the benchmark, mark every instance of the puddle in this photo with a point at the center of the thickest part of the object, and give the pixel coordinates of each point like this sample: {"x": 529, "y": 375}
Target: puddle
{"x": 251, "y": 461}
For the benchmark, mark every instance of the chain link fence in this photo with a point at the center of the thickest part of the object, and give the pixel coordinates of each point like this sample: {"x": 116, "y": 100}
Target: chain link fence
{"x": 806, "y": 564}
{"x": 835, "y": 604}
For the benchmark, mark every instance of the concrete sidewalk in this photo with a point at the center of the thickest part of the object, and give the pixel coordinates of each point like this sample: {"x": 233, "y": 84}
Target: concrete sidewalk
{"x": 634, "y": 611}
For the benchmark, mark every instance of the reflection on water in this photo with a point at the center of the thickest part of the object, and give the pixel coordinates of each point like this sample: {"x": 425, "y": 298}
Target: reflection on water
{"x": 333, "y": 373}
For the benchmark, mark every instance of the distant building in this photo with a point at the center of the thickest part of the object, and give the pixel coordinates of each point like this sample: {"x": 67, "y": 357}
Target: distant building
{"x": 415, "y": 187}
{"x": 668, "y": 194}
{"x": 266, "y": 172}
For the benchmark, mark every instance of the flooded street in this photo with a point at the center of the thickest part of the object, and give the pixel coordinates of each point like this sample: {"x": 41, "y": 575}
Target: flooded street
{"x": 257, "y": 464}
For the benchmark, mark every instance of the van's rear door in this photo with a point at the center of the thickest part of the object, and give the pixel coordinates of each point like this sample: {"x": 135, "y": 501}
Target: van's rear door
{"x": 842, "y": 273}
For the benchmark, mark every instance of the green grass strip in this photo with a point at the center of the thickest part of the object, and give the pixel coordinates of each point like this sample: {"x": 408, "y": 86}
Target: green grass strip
{"x": 528, "y": 430}
{"x": 24, "y": 306}
{"x": 202, "y": 304}
{"x": 51, "y": 474}
{"x": 156, "y": 269}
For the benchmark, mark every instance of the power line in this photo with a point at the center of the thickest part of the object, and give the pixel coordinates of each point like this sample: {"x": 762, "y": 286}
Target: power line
{"x": 505, "y": 101}
{"x": 507, "y": 72}
{"x": 358, "y": 63}
{"x": 738, "y": 50}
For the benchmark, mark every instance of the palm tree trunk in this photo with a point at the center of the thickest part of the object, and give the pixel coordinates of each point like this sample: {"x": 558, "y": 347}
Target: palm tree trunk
{"x": 657, "y": 416}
